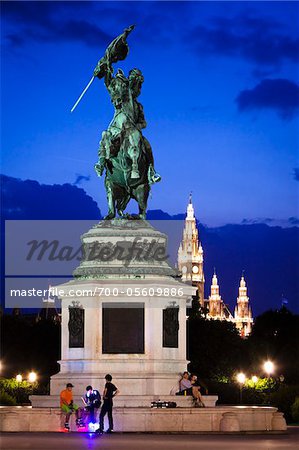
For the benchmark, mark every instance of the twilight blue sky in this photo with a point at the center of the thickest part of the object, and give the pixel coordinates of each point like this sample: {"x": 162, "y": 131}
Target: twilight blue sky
{"x": 221, "y": 99}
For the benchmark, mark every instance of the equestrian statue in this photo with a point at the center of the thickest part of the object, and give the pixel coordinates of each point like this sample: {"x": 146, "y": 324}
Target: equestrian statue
{"x": 125, "y": 155}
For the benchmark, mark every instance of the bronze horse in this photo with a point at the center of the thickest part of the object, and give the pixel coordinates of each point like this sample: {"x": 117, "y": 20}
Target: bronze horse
{"x": 119, "y": 183}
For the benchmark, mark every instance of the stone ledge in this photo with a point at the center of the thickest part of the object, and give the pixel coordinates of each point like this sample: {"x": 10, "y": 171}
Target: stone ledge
{"x": 151, "y": 420}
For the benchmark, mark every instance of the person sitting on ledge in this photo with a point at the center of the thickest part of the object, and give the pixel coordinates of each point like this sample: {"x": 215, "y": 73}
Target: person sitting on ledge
{"x": 196, "y": 385}
{"x": 67, "y": 406}
{"x": 187, "y": 387}
{"x": 198, "y": 382}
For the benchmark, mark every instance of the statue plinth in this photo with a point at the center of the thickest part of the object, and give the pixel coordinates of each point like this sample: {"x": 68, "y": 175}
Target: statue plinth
{"x": 123, "y": 249}
{"x": 124, "y": 313}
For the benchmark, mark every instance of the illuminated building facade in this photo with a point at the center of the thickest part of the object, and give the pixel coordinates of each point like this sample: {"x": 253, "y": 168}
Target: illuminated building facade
{"x": 190, "y": 265}
{"x": 190, "y": 254}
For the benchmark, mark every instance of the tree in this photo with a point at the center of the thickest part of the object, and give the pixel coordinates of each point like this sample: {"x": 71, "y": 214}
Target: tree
{"x": 275, "y": 336}
{"x": 27, "y": 344}
{"x": 214, "y": 348}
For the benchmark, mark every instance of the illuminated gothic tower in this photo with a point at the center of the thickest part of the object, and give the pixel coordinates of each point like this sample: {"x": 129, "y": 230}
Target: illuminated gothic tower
{"x": 190, "y": 254}
{"x": 243, "y": 314}
{"x": 217, "y": 309}
{"x": 215, "y": 300}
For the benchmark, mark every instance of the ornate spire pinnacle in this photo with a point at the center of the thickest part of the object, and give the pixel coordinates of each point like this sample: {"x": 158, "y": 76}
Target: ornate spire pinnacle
{"x": 214, "y": 286}
{"x": 215, "y": 279}
{"x": 243, "y": 282}
{"x": 190, "y": 209}
{"x": 243, "y": 314}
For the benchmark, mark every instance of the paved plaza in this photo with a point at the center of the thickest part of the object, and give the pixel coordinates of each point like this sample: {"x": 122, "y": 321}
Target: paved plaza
{"x": 128, "y": 441}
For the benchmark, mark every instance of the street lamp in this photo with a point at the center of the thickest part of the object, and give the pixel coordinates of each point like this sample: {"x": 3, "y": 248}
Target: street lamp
{"x": 254, "y": 379}
{"x": 268, "y": 367}
{"x": 19, "y": 380}
{"x": 32, "y": 377}
{"x": 241, "y": 378}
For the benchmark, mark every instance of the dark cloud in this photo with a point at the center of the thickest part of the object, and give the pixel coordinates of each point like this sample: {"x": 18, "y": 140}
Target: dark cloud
{"x": 262, "y": 73}
{"x": 52, "y": 22}
{"x": 81, "y": 178}
{"x": 28, "y": 12}
{"x": 293, "y": 220}
{"x": 280, "y": 95}
{"x": 15, "y": 40}
{"x": 259, "y": 40}
{"x": 31, "y": 200}
{"x": 72, "y": 30}
{"x": 266, "y": 220}
{"x": 296, "y": 173}
{"x": 78, "y": 21}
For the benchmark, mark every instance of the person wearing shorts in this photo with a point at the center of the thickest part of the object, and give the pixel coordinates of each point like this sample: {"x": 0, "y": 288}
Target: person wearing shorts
{"x": 68, "y": 406}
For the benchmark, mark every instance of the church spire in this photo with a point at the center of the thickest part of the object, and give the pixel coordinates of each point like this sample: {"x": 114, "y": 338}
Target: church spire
{"x": 243, "y": 314}
{"x": 215, "y": 300}
{"x": 190, "y": 253}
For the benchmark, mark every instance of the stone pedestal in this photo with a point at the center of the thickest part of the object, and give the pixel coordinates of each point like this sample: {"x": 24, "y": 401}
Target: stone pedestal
{"x": 124, "y": 313}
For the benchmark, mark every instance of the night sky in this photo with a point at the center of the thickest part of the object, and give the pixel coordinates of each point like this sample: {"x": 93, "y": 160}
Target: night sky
{"x": 220, "y": 97}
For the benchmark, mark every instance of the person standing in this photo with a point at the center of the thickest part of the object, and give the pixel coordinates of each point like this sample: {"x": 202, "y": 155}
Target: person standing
{"x": 109, "y": 392}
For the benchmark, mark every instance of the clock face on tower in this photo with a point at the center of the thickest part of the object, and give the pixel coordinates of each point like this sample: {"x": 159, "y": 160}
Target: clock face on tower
{"x": 195, "y": 269}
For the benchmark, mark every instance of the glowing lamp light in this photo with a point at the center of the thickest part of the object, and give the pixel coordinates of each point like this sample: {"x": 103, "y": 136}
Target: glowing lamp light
{"x": 269, "y": 367}
{"x": 241, "y": 378}
{"x": 19, "y": 378}
{"x": 254, "y": 379}
{"x": 32, "y": 377}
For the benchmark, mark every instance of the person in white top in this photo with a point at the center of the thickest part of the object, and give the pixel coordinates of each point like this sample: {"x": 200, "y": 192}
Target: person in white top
{"x": 188, "y": 387}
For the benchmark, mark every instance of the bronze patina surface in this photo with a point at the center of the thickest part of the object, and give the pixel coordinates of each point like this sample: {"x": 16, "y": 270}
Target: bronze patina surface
{"x": 125, "y": 155}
